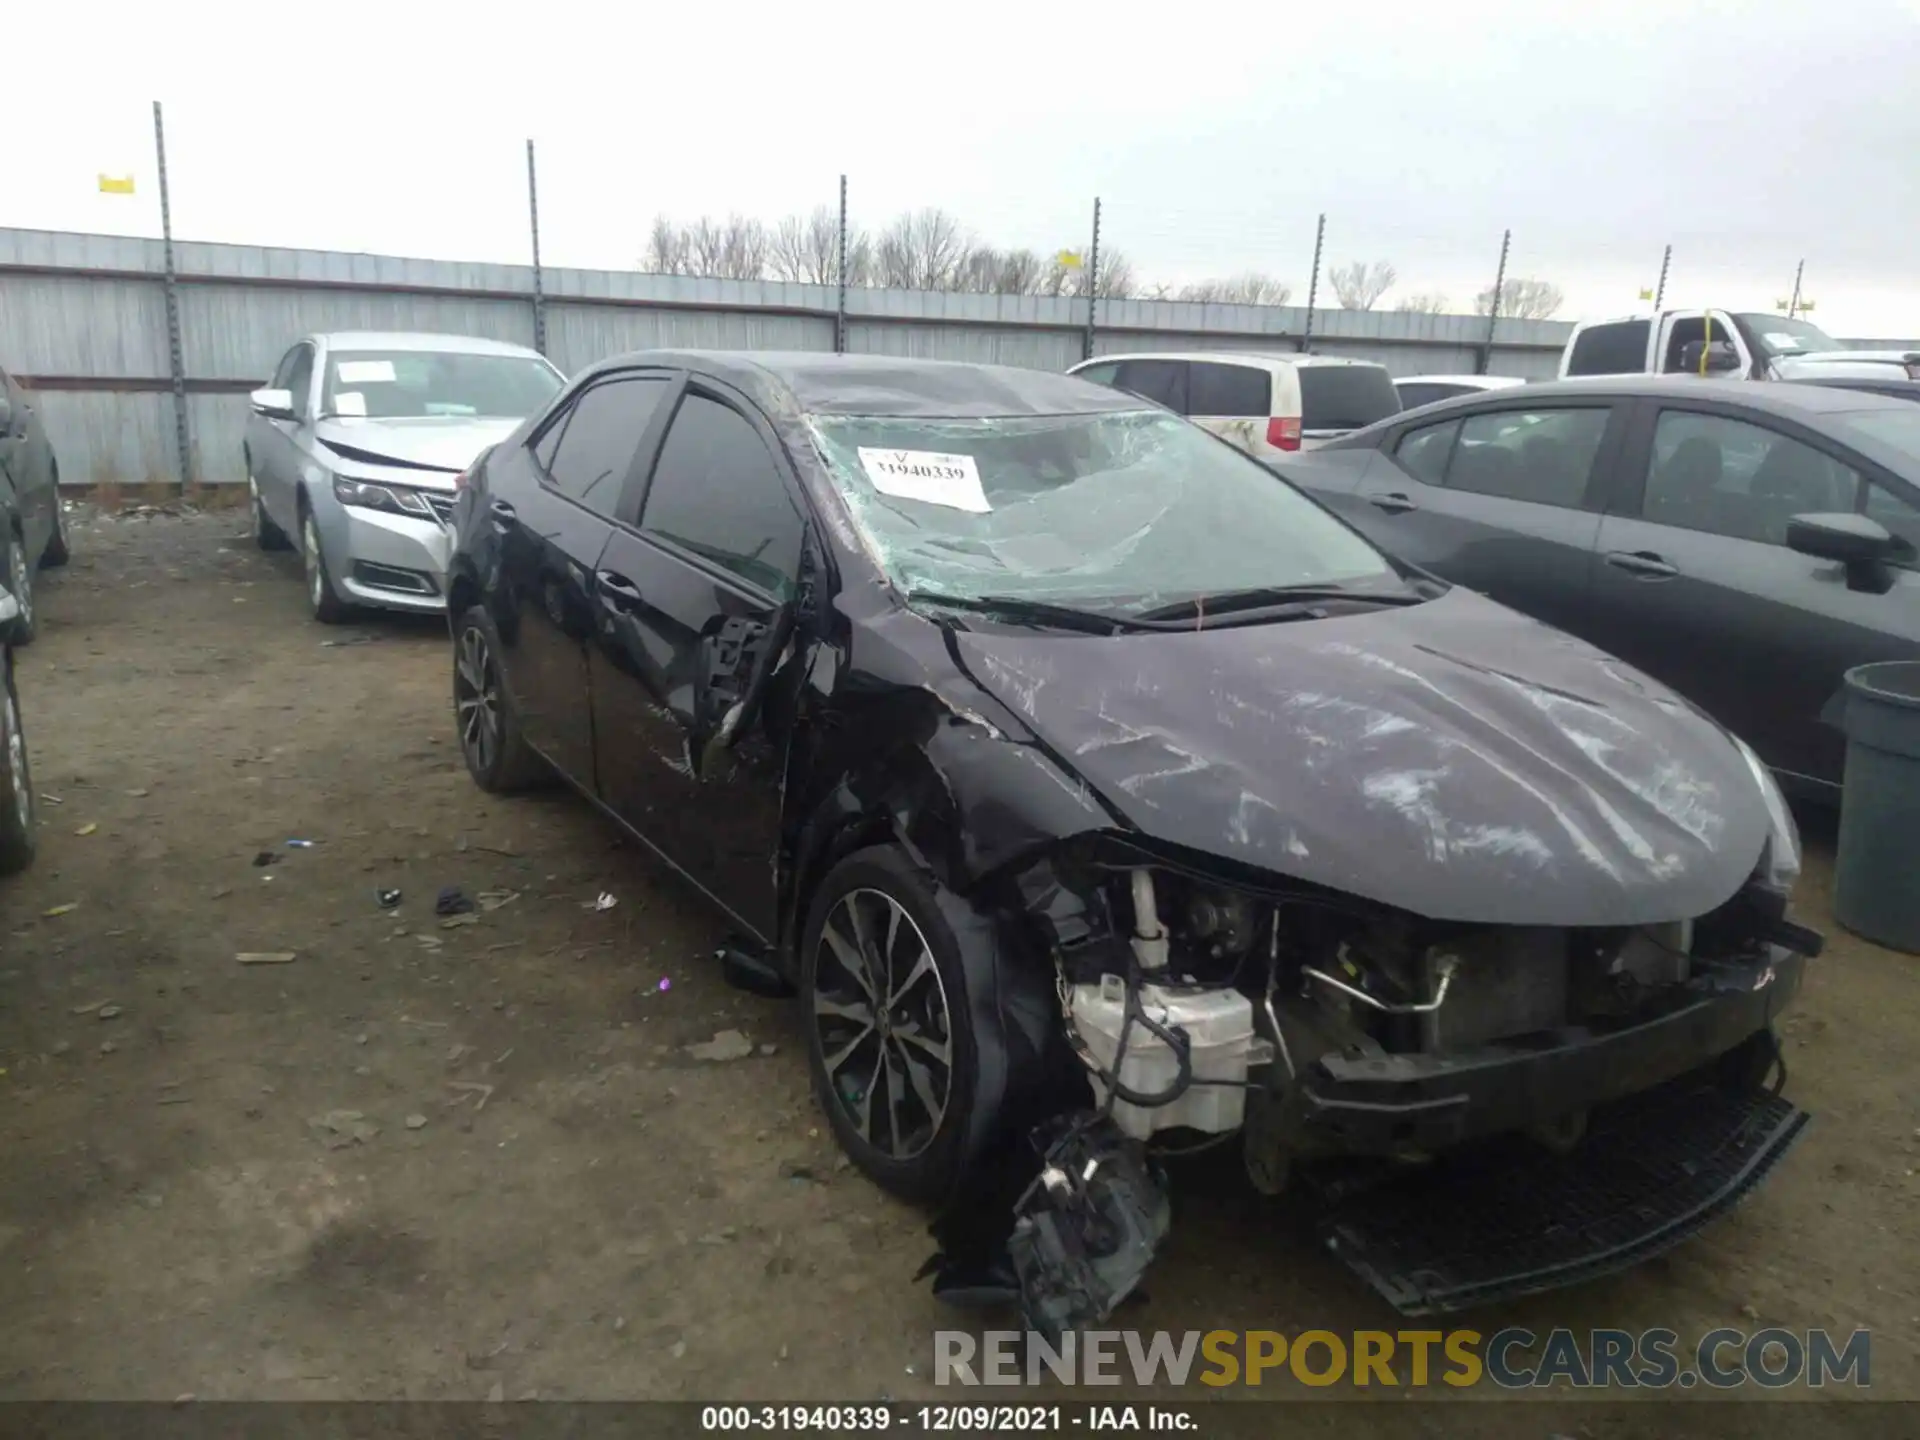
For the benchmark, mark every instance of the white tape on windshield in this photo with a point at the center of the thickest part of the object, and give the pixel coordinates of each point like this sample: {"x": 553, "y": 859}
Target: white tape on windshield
{"x": 365, "y": 372}
{"x": 349, "y": 402}
{"x": 926, "y": 475}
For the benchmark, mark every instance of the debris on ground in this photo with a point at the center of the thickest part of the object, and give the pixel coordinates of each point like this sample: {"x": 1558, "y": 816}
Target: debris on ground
{"x": 338, "y": 1129}
{"x": 769, "y": 1049}
{"x": 265, "y": 957}
{"x": 387, "y": 898}
{"x": 300, "y": 844}
{"x": 454, "y": 922}
{"x": 797, "y": 1170}
{"x": 473, "y": 1087}
{"x": 88, "y": 1008}
{"x": 108, "y": 1012}
{"x": 452, "y": 900}
{"x": 107, "y": 1047}
{"x": 494, "y": 899}
{"x": 430, "y": 942}
{"x": 679, "y": 1350}
{"x": 263, "y": 858}
{"x": 88, "y": 828}
{"x": 604, "y": 901}
{"x": 416, "y": 1122}
{"x": 51, "y": 799}
{"x": 725, "y": 1045}
{"x": 58, "y": 910}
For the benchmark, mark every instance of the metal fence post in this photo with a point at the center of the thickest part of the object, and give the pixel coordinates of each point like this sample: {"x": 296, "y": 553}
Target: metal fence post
{"x": 533, "y": 221}
{"x": 1313, "y": 283}
{"x": 176, "y": 363}
{"x": 1093, "y": 285}
{"x": 840, "y": 272}
{"x": 1793, "y": 304}
{"x": 1493, "y": 304}
{"x": 1660, "y": 291}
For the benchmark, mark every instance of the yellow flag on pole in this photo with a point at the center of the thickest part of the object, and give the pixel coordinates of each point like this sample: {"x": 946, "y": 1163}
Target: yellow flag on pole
{"x": 1646, "y": 294}
{"x": 116, "y": 184}
{"x": 1069, "y": 260}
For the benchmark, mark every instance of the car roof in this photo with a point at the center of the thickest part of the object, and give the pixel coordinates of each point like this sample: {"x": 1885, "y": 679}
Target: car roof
{"x": 1229, "y": 357}
{"x": 822, "y": 383}
{"x": 419, "y": 340}
{"x": 1479, "y": 382}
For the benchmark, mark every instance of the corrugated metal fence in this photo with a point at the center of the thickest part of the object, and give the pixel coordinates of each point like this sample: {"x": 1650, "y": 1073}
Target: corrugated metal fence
{"x": 83, "y": 323}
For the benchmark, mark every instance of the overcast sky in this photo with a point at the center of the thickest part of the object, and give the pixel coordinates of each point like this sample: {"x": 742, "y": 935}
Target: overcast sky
{"x": 1747, "y": 135}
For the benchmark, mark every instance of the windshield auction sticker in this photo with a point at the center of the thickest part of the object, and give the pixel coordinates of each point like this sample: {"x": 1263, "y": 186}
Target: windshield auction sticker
{"x": 926, "y": 475}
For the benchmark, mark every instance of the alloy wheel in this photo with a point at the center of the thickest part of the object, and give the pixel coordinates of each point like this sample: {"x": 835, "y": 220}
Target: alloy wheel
{"x": 20, "y": 580}
{"x": 17, "y": 766}
{"x": 316, "y": 570}
{"x": 476, "y": 699}
{"x": 886, "y": 1035}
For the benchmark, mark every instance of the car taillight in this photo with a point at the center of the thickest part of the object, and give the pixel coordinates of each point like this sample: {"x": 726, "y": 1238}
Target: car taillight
{"x": 1283, "y": 433}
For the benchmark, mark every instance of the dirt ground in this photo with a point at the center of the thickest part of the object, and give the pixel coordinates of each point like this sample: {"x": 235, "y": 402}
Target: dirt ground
{"x": 434, "y": 1163}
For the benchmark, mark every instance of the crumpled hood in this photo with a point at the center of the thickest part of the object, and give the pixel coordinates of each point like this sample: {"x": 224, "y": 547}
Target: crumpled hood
{"x": 1454, "y": 759}
{"x": 447, "y": 445}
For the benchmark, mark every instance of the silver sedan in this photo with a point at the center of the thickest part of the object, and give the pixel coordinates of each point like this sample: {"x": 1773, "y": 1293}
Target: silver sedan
{"x": 354, "y": 448}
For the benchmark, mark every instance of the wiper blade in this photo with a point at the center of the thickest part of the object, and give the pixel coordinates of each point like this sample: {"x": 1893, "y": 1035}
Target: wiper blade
{"x": 1295, "y": 598}
{"x": 1024, "y": 611}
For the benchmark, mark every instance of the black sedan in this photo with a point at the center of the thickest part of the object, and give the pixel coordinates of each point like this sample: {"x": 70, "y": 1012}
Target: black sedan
{"x": 33, "y": 528}
{"x": 1086, "y": 782}
{"x": 1745, "y": 543}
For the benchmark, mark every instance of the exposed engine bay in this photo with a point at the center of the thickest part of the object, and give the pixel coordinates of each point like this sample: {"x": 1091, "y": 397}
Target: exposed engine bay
{"x": 1315, "y": 1029}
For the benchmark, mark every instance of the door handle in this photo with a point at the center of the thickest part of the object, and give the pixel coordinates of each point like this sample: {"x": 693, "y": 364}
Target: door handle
{"x": 1643, "y": 563}
{"x": 618, "y": 591}
{"x": 1394, "y": 502}
{"x": 503, "y": 514}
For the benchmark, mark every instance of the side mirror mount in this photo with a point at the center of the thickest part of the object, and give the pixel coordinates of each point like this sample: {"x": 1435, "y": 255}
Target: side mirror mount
{"x": 273, "y": 404}
{"x": 1722, "y": 358}
{"x": 736, "y": 669}
{"x": 1861, "y": 544}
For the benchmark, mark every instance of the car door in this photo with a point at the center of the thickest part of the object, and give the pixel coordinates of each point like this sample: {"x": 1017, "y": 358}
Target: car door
{"x": 28, "y": 460}
{"x": 1696, "y": 585}
{"x": 552, "y": 505}
{"x": 690, "y": 598}
{"x": 1500, "y": 498}
{"x": 280, "y": 455}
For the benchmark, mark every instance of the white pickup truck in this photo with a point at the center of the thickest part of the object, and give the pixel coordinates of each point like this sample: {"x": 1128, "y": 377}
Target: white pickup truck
{"x": 1734, "y": 346}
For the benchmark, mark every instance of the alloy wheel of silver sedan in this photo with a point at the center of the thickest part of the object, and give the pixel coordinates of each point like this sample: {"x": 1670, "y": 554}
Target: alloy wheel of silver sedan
{"x": 476, "y": 700}
{"x": 18, "y": 779}
{"x": 885, "y": 1031}
{"x": 20, "y": 581}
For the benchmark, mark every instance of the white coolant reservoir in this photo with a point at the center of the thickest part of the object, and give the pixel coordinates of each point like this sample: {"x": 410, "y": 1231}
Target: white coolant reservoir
{"x": 1219, "y": 1025}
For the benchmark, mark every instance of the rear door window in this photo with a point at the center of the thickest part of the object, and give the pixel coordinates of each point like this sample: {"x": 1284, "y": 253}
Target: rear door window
{"x": 1616, "y": 349}
{"x": 1545, "y": 456}
{"x": 1162, "y": 381}
{"x": 604, "y": 427}
{"x": 1345, "y": 397}
{"x": 1228, "y": 390}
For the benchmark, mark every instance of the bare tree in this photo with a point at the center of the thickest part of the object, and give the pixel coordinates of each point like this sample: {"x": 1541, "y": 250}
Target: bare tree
{"x": 1427, "y": 302}
{"x": 1359, "y": 286}
{"x": 806, "y": 249}
{"x": 1251, "y": 288}
{"x": 667, "y": 248}
{"x": 1522, "y": 300}
{"x": 922, "y": 250}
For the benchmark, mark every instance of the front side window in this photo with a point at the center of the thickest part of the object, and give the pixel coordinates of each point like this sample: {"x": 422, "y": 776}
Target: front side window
{"x": 1729, "y": 477}
{"x": 1545, "y": 456}
{"x": 416, "y": 384}
{"x": 1124, "y": 510}
{"x": 601, "y": 435}
{"x": 717, "y": 492}
{"x": 1228, "y": 390}
{"x": 1424, "y": 453}
{"x": 300, "y": 378}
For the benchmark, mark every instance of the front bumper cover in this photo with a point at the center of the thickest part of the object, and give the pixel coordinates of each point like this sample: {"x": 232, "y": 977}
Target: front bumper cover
{"x": 1393, "y": 1104}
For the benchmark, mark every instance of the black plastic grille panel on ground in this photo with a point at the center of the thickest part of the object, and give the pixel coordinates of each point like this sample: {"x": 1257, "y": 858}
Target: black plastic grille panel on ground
{"x": 1514, "y": 1219}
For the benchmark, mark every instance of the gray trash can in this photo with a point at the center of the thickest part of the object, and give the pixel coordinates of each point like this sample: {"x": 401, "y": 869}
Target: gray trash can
{"x": 1876, "y": 890}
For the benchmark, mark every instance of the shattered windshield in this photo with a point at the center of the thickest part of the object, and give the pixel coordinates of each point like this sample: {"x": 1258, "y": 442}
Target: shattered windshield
{"x": 1125, "y": 510}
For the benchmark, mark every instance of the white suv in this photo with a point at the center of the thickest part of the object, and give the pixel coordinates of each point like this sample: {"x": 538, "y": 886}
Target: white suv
{"x": 1266, "y": 404}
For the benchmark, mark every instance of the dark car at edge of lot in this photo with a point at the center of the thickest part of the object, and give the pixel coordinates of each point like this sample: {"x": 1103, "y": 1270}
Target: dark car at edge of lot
{"x": 1086, "y": 783}
{"x": 1745, "y": 544}
{"x": 33, "y": 527}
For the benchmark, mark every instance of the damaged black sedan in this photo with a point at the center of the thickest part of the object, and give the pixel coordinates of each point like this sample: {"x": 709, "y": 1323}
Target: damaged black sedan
{"x": 1099, "y": 793}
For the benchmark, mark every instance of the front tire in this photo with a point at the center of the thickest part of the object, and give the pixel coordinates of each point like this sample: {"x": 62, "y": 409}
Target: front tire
{"x": 17, "y": 829}
{"x": 20, "y": 581}
{"x": 57, "y": 552}
{"x": 497, "y": 754}
{"x": 327, "y": 607}
{"x": 889, "y": 1043}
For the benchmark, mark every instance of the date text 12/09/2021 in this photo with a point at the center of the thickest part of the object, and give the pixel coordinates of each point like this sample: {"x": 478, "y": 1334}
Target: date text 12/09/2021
{"x": 944, "y": 1419}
